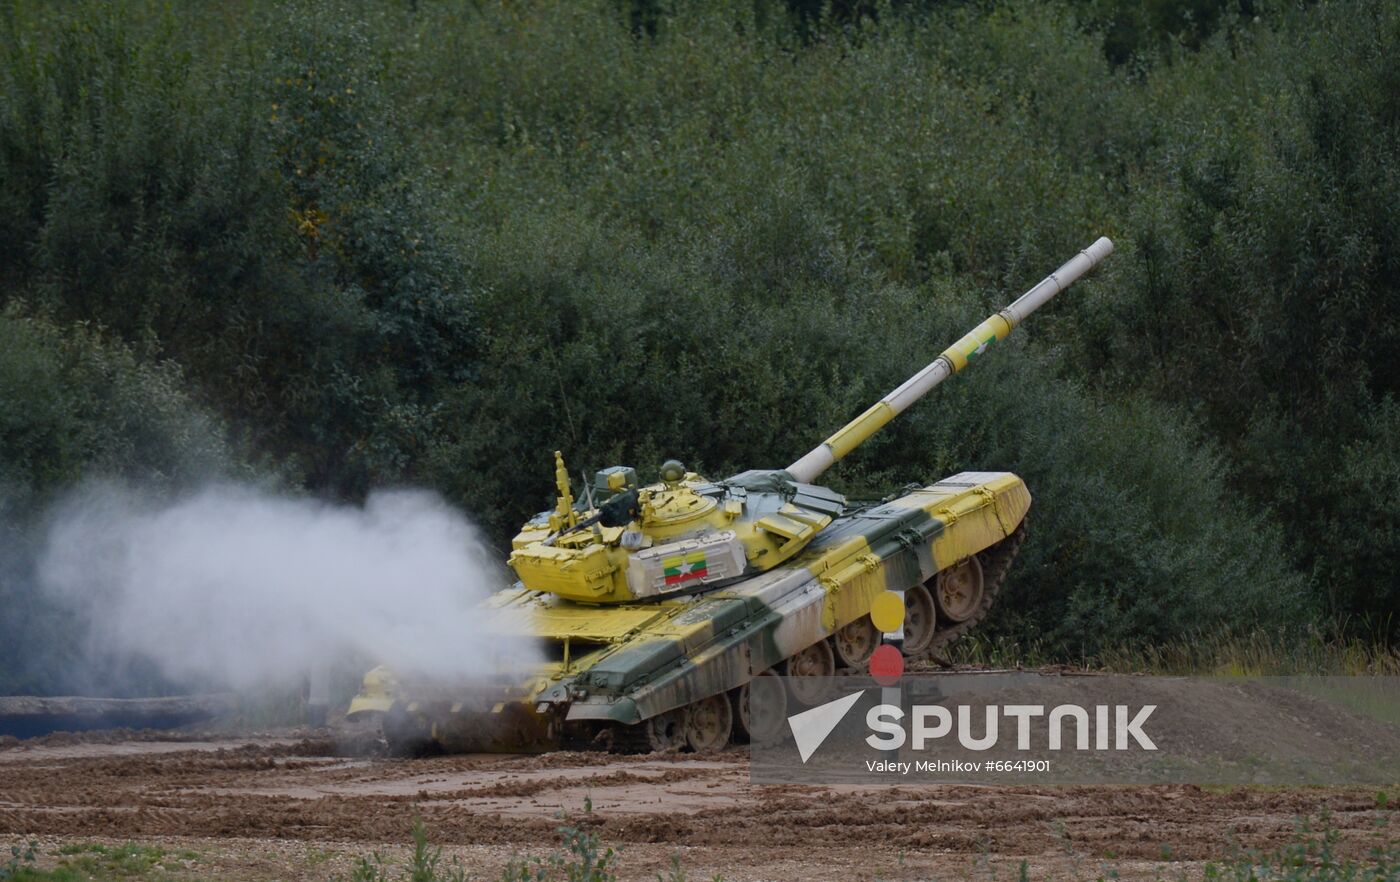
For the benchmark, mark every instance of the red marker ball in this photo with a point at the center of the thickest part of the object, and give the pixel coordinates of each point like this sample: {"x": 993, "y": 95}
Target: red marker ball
{"x": 886, "y": 665}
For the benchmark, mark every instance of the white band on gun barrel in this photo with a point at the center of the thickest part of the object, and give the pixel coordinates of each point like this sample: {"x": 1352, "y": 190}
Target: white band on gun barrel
{"x": 1059, "y": 280}
{"x": 851, "y": 435}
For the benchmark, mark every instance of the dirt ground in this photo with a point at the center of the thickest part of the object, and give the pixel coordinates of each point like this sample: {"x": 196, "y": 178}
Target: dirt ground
{"x": 291, "y": 808}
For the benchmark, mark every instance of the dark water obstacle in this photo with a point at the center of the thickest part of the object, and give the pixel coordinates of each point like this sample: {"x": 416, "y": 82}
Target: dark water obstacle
{"x": 25, "y": 716}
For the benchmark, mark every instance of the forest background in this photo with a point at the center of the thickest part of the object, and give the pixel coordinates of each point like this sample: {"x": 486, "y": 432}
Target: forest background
{"x": 330, "y": 248}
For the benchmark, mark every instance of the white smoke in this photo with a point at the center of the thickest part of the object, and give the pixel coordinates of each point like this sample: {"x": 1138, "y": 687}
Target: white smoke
{"x": 238, "y": 586}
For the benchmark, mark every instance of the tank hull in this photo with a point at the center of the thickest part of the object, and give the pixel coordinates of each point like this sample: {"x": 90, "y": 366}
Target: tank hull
{"x": 609, "y": 673}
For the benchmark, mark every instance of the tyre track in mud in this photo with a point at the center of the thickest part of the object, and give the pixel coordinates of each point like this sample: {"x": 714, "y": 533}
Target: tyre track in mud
{"x": 302, "y": 791}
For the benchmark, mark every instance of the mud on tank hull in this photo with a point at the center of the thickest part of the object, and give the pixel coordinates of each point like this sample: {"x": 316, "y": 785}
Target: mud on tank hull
{"x": 679, "y": 672}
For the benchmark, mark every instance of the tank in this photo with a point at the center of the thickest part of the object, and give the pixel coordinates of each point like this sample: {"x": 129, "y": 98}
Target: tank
{"x": 657, "y": 615}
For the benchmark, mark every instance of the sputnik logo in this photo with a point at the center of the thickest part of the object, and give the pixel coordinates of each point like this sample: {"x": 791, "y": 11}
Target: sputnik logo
{"x": 811, "y": 727}
{"x": 933, "y": 722}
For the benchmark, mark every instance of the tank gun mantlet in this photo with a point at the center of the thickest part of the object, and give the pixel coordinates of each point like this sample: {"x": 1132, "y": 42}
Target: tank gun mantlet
{"x": 685, "y": 534}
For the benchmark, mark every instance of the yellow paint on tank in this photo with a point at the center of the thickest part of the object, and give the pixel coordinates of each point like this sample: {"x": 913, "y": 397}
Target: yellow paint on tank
{"x": 976, "y": 341}
{"x": 971, "y": 516}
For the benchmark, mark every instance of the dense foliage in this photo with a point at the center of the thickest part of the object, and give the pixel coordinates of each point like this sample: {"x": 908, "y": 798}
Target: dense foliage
{"x": 433, "y": 242}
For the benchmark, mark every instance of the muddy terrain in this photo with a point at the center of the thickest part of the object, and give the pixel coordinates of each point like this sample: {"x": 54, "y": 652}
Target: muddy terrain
{"x": 301, "y": 808}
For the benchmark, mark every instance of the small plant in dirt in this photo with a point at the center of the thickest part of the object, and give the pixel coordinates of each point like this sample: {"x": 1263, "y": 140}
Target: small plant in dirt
{"x": 319, "y": 856}
{"x": 425, "y": 865}
{"x": 582, "y": 858}
{"x": 676, "y": 873}
{"x": 22, "y": 857}
{"x": 1311, "y": 855}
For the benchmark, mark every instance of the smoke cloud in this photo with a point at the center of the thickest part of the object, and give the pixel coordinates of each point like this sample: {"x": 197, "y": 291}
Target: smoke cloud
{"x": 240, "y": 587}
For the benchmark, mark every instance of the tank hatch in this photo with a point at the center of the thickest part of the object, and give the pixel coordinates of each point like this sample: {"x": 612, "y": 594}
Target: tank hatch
{"x": 684, "y": 534}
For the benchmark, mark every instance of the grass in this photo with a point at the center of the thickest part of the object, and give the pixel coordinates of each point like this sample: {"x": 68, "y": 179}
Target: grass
{"x": 424, "y": 865}
{"x": 1213, "y": 653}
{"x": 1310, "y": 855}
{"x": 94, "y": 862}
{"x": 581, "y": 857}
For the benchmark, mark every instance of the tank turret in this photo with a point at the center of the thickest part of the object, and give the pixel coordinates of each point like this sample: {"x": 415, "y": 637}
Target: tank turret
{"x": 627, "y": 542}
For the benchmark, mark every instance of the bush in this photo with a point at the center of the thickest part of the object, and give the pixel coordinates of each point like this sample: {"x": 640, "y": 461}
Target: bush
{"x": 773, "y": 246}
{"x": 245, "y": 212}
{"x": 76, "y": 405}
{"x": 433, "y": 243}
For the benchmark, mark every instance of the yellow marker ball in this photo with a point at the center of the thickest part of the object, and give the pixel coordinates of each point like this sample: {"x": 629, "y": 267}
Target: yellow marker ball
{"x": 887, "y": 611}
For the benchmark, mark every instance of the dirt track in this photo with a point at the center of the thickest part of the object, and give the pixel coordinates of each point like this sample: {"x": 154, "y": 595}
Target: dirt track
{"x": 295, "y": 809}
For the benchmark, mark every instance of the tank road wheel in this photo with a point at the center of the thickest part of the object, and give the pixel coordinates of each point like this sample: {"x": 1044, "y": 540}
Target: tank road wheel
{"x": 760, "y": 708}
{"x": 919, "y": 621}
{"x": 995, "y": 563}
{"x": 959, "y": 590}
{"x": 708, "y": 723}
{"x": 808, "y": 671}
{"x": 855, "y": 642}
{"x": 666, "y": 731}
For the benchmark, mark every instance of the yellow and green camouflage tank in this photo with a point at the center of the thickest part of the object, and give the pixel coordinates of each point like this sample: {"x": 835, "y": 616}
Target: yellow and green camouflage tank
{"x": 657, "y": 615}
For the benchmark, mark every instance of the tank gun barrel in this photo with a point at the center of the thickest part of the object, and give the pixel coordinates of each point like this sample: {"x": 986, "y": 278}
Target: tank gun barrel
{"x": 949, "y": 362}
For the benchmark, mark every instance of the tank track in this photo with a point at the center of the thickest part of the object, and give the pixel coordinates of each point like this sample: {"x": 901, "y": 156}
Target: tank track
{"x": 407, "y": 736}
{"x": 640, "y": 738}
{"x": 996, "y": 564}
{"x": 628, "y": 739}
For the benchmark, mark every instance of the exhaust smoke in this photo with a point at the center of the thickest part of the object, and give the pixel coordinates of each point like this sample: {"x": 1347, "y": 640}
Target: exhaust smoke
{"x": 236, "y": 586}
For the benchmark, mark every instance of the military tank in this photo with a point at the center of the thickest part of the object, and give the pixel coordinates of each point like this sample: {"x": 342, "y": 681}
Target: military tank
{"x": 658, "y": 615}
